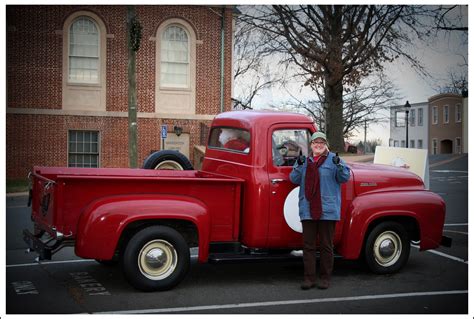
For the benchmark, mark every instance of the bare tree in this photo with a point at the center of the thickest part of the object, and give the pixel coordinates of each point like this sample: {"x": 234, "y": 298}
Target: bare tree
{"x": 451, "y": 18}
{"x": 360, "y": 105}
{"x": 457, "y": 79}
{"x": 251, "y": 65}
{"x": 337, "y": 46}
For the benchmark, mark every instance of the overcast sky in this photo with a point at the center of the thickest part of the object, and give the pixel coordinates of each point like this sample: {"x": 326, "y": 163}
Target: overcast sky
{"x": 439, "y": 57}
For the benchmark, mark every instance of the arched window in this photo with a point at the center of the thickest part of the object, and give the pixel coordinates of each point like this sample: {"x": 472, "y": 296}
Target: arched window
{"x": 84, "y": 63}
{"x": 174, "y": 58}
{"x": 175, "y": 76}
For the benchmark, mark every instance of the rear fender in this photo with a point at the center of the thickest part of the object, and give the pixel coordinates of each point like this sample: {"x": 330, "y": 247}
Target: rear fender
{"x": 102, "y": 223}
{"x": 426, "y": 208}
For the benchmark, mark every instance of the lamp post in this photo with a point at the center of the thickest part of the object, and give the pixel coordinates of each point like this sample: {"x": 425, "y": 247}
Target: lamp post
{"x": 407, "y": 111}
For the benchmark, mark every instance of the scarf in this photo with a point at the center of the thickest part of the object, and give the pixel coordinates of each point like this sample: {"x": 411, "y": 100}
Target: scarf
{"x": 312, "y": 190}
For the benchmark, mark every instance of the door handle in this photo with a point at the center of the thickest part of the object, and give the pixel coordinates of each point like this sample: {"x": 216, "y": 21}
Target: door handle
{"x": 277, "y": 180}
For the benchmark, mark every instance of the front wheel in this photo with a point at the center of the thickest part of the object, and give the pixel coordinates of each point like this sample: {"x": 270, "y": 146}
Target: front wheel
{"x": 156, "y": 258}
{"x": 387, "y": 248}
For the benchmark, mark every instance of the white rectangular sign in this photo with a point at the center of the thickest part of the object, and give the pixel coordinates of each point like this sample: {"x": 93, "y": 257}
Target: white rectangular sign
{"x": 415, "y": 160}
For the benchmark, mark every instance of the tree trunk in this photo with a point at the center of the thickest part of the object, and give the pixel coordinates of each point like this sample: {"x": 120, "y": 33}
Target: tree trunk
{"x": 335, "y": 125}
{"x": 132, "y": 94}
{"x": 333, "y": 83}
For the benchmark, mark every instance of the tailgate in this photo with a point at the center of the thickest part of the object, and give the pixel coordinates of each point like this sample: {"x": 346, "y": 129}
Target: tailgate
{"x": 43, "y": 198}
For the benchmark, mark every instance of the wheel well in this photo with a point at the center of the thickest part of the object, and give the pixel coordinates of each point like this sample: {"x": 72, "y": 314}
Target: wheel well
{"x": 409, "y": 223}
{"x": 186, "y": 228}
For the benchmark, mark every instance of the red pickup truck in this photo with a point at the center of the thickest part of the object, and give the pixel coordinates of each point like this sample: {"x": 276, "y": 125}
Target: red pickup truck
{"x": 232, "y": 209}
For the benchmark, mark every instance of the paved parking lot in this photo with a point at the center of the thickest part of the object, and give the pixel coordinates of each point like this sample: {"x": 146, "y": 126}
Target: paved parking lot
{"x": 433, "y": 282}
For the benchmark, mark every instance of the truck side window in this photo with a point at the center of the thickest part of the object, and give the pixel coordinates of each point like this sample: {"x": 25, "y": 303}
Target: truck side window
{"x": 233, "y": 139}
{"x": 287, "y": 145}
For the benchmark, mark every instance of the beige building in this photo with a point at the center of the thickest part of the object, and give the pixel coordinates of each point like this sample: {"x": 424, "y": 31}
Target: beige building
{"x": 445, "y": 129}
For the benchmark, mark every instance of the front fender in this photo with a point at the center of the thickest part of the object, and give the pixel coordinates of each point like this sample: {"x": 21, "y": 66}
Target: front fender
{"x": 103, "y": 221}
{"x": 426, "y": 208}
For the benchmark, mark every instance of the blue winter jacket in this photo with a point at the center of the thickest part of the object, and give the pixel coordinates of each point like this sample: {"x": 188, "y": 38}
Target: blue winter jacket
{"x": 331, "y": 177}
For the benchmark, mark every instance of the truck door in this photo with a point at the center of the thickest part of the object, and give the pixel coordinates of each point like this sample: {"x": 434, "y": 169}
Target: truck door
{"x": 285, "y": 143}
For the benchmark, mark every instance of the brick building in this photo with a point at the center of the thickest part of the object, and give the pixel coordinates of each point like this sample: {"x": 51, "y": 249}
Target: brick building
{"x": 67, "y": 81}
{"x": 446, "y": 124}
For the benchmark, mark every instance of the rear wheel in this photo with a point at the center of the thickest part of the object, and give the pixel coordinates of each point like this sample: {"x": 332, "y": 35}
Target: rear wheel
{"x": 156, "y": 258}
{"x": 387, "y": 248}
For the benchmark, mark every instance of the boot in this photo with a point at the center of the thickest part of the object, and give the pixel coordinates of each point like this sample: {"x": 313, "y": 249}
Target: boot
{"x": 307, "y": 285}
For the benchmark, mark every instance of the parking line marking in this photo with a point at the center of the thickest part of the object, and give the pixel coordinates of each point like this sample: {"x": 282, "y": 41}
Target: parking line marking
{"x": 462, "y": 224}
{"x": 448, "y": 171}
{"x": 457, "y": 232}
{"x": 444, "y": 255}
{"x": 288, "y": 302}
{"x": 51, "y": 262}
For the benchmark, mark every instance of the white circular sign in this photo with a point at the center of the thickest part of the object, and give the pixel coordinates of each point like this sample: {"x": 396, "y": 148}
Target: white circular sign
{"x": 291, "y": 211}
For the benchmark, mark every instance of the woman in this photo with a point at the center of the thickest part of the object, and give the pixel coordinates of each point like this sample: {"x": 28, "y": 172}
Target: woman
{"x": 319, "y": 177}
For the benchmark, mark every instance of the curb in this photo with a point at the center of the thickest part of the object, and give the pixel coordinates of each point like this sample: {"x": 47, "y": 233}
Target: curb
{"x": 18, "y": 194}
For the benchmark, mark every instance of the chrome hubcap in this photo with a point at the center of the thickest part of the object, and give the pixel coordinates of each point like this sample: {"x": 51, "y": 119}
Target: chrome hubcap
{"x": 157, "y": 259}
{"x": 387, "y": 248}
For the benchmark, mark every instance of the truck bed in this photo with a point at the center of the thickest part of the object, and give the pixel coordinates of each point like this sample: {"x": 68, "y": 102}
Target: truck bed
{"x": 61, "y": 194}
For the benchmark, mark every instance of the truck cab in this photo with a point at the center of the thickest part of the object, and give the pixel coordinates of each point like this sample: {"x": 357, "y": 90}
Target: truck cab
{"x": 276, "y": 139}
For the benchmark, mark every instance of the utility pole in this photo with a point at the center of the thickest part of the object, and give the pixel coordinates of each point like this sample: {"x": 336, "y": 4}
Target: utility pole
{"x": 133, "y": 37}
{"x": 365, "y": 136}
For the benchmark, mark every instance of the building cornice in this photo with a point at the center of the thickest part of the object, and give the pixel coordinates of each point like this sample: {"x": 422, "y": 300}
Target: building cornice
{"x": 444, "y": 96}
{"x": 144, "y": 115}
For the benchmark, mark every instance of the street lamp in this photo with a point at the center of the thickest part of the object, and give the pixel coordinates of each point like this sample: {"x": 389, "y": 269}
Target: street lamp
{"x": 407, "y": 111}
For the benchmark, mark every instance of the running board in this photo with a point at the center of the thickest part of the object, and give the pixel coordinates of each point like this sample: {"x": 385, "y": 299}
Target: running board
{"x": 242, "y": 258}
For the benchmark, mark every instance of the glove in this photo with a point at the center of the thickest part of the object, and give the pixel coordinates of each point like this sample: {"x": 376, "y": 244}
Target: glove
{"x": 336, "y": 159}
{"x": 301, "y": 159}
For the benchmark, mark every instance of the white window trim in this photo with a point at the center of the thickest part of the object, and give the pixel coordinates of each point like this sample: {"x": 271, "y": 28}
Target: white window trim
{"x": 433, "y": 148}
{"x": 102, "y": 47}
{"x": 456, "y": 145}
{"x": 99, "y": 148}
{"x": 435, "y": 115}
{"x": 176, "y": 100}
{"x": 420, "y": 118}
{"x": 188, "y": 80}
{"x": 445, "y": 107}
{"x": 457, "y": 110}
{"x": 69, "y": 56}
{"x": 412, "y": 117}
{"x": 402, "y": 124}
{"x": 84, "y": 96}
